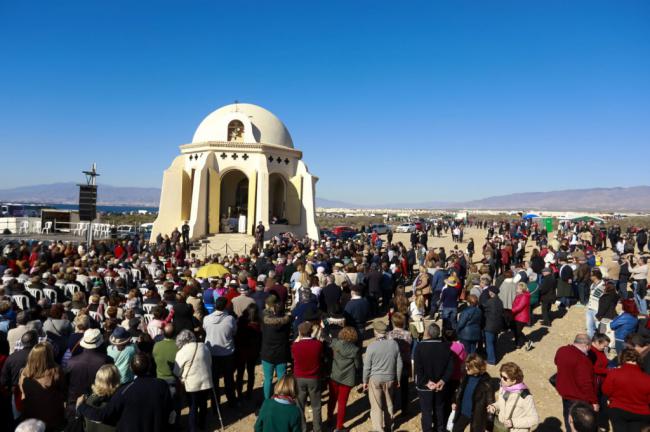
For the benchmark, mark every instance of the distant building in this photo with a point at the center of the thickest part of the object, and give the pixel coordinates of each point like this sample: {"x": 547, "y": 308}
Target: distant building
{"x": 240, "y": 168}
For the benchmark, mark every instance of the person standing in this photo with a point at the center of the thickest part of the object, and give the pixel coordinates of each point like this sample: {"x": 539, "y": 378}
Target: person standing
{"x": 307, "y": 354}
{"x": 628, "y": 389}
{"x": 185, "y": 230}
{"x": 474, "y": 395}
{"x": 381, "y": 371}
{"x": 514, "y": 407}
{"x": 521, "y": 314}
{"x": 192, "y": 367}
{"x": 547, "y": 294}
{"x": 493, "y": 323}
{"x": 280, "y": 412}
{"x": 220, "y": 329}
{"x": 259, "y": 235}
{"x": 469, "y": 325}
{"x": 434, "y": 364}
{"x": 575, "y": 375}
{"x": 346, "y": 362}
{"x": 595, "y": 292}
{"x": 274, "y": 353}
{"x": 640, "y": 284}
{"x": 144, "y": 404}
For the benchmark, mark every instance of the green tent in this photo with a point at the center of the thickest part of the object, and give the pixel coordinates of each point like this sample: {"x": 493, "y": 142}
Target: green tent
{"x": 587, "y": 219}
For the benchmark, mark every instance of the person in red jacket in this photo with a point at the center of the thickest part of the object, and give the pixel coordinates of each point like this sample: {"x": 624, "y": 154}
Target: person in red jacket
{"x": 307, "y": 354}
{"x": 575, "y": 375}
{"x": 628, "y": 388}
{"x": 521, "y": 314}
{"x": 596, "y": 354}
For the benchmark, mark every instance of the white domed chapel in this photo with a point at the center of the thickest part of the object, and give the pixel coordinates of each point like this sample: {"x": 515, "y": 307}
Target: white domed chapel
{"x": 240, "y": 168}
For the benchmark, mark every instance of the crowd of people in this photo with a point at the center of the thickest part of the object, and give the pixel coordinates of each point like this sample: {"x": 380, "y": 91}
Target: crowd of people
{"x": 126, "y": 336}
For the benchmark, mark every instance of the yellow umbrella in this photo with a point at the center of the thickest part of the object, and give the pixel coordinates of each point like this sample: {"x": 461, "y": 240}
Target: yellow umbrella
{"x": 212, "y": 270}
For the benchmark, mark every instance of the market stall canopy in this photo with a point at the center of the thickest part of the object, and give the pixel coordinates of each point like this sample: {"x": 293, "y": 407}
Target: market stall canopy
{"x": 587, "y": 219}
{"x": 531, "y": 216}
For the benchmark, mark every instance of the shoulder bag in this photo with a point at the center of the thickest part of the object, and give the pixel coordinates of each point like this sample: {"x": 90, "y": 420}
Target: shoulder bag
{"x": 500, "y": 427}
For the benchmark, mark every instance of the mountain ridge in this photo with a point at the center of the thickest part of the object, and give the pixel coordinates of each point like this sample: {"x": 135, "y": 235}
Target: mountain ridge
{"x": 634, "y": 198}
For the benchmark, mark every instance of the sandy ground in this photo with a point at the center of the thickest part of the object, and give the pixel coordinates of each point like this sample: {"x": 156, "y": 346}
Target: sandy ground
{"x": 537, "y": 365}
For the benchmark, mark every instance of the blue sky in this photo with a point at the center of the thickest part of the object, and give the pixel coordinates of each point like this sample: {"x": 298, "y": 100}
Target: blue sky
{"x": 390, "y": 101}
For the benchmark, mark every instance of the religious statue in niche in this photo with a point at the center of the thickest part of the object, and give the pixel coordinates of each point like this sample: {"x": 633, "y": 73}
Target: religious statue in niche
{"x": 235, "y": 131}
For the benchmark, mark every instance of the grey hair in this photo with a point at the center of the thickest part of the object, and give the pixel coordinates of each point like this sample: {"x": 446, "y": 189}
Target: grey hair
{"x": 31, "y": 425}
{"x": 582, "y": 338}
{"x": 184, "y": 337}
{"x": 433, "y": 331}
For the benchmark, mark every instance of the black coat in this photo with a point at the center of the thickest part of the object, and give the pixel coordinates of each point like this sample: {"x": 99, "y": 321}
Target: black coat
{"x": 547, "y": 289}
{"x": 434, "y": 361}
{"x": 607, "y": 306}
{"x": 81, "y": 371}
{"x": 275, "y": 338}
{"x": 482, "y": 397}
{"x": 329, "y": 297}
{"x": 494, "y": 315}
{"x": 143, "y": 404}
{"x": 12, "y": 367}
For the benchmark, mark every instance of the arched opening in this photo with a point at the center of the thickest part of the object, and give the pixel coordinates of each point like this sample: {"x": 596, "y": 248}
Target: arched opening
{"x": 277, "y": 199}
{"x": 235, "y": 131}
{"x": 233, "y": 204}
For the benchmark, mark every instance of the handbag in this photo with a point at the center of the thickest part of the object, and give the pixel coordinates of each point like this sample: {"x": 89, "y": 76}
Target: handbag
{"x": 500, "y": 427}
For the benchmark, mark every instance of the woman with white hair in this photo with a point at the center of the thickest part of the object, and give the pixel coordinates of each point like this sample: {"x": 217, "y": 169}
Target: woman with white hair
{"x": 193, "y": 368}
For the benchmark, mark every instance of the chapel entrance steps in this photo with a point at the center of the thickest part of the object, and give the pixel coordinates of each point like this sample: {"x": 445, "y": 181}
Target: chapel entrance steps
{"x": 223, "y": 244}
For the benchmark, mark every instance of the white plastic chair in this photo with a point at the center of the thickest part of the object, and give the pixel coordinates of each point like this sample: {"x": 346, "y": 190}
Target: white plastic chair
{"x": 108, "y": 280}
{"x": 135, "y": 273}
{"x": 148, "y": 307}
{"x": 75, "y": 311}
{"x": 147, "y": 318}
{"x": 50, "y": 294}
{"x": 24, "y": 227}
{"x": 47, "y": 228}
{"x": 71, "y": 289}
{"x": 21, "y": 300}
{"x": 36, "y": 293}
{"x": 143, "y": 290}
{"x": 36, "y": 227}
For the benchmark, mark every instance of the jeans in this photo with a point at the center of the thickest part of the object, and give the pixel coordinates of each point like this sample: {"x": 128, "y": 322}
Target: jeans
{"x": 432, "y": 403}
{"x": 339, "y": 394}
{"x": 490, "y": 347}
{"x": 224, "y": 366}
{"x": 640, "y": 288}
{"x": 625, "y": 421}
{"x": 449, "y": 317}
{"x": 198, "y": 403}
{"x": 520, "y": 339}
{"x": 583, "y": 293}
{"x": 590, "y": 317}
{"x": 566, "y": 405}
{"x": 309, "y": 386}
{"x": 268, "y": 368}
{"x": 470, "y": 346}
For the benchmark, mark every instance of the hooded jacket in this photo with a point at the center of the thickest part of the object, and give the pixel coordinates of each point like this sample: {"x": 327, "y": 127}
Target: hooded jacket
{"x": 220, "y": 329}
{"x": 275, "y": 338}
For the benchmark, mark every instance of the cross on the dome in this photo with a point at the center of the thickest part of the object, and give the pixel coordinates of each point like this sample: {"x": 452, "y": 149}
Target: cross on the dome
{"x": 223, "y": 155}
{"x": 279, "y": 159}
{"x": 286, "y": 161}
{"x": 270, "y": 158}
{"x": 234, "y": 156}
{"x": 245, "y": 156}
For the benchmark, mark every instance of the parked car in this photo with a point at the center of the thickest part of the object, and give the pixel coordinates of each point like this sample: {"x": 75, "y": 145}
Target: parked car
{"x": 326, "y": 234}
{"x": 339, "y": 231}
{"x": 405, "y": 228}
{"x": 381, "y": 229}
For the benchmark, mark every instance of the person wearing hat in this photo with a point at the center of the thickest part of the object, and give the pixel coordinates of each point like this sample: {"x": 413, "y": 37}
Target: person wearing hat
{"x": 122, "y": 351}
{"x": 449, "y": 302}
{"x": 81, "y": 369}
{"x": 381, "y": 371}
{"x": 547, "y": 294}
{"x": 242, "y": 301}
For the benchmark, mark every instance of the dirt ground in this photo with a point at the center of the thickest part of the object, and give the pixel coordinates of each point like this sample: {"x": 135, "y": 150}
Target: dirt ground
{"x": 537, "y": 365}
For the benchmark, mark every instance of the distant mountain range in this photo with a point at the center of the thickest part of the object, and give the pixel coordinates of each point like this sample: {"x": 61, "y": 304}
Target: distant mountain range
{"x": 635, "y": 198}
{"x": 68, "y": 193}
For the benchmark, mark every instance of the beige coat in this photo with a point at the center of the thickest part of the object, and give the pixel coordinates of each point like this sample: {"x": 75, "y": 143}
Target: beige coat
{"x": 196, "y": 375}
{"x": 524, "y": 417}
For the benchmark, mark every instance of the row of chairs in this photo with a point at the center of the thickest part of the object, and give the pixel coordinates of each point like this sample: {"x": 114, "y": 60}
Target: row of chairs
{"x": 26, "y": 227}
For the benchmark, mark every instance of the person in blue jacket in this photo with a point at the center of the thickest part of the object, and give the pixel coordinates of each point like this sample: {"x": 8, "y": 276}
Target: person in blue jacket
{"x": 468, "y": 328}
{"x": 625, "y": 323}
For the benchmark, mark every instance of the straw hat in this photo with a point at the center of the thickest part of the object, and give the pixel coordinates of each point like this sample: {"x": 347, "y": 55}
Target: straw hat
{"x": 92, "y": 339}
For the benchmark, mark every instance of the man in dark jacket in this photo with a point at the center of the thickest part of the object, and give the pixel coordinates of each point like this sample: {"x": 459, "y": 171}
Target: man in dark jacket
{"x": 374, "y": 279}
{"x": 575, "y": 375}
{"x": 17, "y": 361}
{"x": 547, "y": 294}
{"x": 493, "y": 312}
{"x": 434, "y": 363}
{"x": 330, "y": 295}
{"x": 144, "y": 404}
{"x": 82, "y": 368}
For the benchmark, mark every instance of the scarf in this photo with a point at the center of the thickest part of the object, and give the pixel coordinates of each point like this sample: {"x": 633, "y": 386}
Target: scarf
{"x": 513, "y": 388}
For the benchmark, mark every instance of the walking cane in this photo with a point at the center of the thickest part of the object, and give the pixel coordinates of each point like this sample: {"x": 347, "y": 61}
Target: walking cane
{"x": 216, "y": 402}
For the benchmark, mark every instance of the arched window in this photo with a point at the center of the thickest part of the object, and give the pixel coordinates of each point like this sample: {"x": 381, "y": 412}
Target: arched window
{"x": 235, "y": 131}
